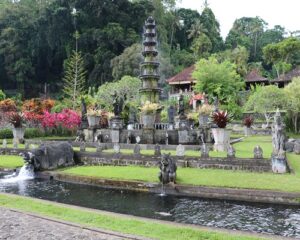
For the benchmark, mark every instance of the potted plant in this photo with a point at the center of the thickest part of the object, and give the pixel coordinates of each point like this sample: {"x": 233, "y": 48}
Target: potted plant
{"x": 248, "y": 122}
{"x": 94, "y": 116}
{"x": 17, "y": 120}
{"x": 204, "y": 112}
{"x": 148, "y": 114}
{"x": 220, "y": 134}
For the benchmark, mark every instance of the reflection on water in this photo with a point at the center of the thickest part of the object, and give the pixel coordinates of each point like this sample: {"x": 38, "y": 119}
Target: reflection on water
{"x": 262, "y": 218}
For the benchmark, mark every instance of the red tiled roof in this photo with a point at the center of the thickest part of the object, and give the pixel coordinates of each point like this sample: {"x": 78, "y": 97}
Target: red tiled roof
{"x": 185, "y": 76}
{"x": 255, "y": 76}
{"x": 287, "y": 77}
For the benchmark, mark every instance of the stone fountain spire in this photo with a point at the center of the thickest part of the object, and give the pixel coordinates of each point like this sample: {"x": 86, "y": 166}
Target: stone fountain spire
{"x": 149, "y": 68}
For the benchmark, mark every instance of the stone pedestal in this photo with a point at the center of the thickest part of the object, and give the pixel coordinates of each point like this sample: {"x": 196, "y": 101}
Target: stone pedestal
{"x": 279, "y": 164}
{"x": 247, "y": 131}
{"x": 148, "y": 136}
{"x": 222, "y": 139}
{"x": 89, "y": 134}
{"x": 183, "y": 124}
{"x": 116, "y": 123}
{"x": 183, "y": 136}
{"x": 115, "y": 136}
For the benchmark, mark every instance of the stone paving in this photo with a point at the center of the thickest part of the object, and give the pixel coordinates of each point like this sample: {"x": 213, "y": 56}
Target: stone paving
{"x": 21, "y": 226}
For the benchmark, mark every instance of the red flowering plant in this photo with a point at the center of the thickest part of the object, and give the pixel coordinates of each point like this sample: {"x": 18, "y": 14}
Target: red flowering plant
{"x": 248, "y": 121}
{"x": 34, "y": 110}
{"x": 221, "y": 118}
{"x": 67, "y": 119}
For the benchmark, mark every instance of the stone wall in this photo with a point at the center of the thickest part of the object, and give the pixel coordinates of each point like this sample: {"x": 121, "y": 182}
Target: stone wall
{"x": 147, "y": 136}
{"x": 259, "y": 165}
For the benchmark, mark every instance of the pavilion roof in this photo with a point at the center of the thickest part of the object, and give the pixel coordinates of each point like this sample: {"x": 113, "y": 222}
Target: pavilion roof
{"x": 184, "y": 77}
{"x": 255, "y": 76}
{"x": 287, "y": 77}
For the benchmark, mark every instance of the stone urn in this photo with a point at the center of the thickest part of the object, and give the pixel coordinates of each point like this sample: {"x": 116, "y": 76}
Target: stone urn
{"x": 148, "y": 120}
{"x": 222, "y": 139}
{"x": 93, "y": 120}
{"x": 203, "y": 120}
{"x": 247, "y": 131}
{"x": 18, "y": 134}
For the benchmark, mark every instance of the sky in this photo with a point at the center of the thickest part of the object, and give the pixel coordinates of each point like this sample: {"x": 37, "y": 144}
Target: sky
{"x": 275, "y": 12}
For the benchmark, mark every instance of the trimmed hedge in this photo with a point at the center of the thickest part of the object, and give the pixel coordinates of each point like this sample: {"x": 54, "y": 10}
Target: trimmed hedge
{"x": 6, "y": 133}
{"x": 33, "y": 133}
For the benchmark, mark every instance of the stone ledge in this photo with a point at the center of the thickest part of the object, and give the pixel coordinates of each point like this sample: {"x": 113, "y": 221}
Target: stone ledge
{"x": 245, "y": 195}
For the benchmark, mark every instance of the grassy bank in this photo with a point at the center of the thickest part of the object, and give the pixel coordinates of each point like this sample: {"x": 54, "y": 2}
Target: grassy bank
{"x": 201, "y": 177}
{"x": 150, "y": 229}
{"x": 11, "y": 161}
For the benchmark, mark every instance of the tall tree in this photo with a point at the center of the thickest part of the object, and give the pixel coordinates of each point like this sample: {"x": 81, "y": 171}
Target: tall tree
{"x": 74, "y": 80}
{"x": 212, "y": 27}
{"x": 247, "y": 31}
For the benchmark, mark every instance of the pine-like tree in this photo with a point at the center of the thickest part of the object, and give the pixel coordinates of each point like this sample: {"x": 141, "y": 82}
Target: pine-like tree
{"x": 74, "y": 79}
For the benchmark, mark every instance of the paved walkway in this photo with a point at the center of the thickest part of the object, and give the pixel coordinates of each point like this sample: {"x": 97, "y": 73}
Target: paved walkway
{"x": 21, "y": 226}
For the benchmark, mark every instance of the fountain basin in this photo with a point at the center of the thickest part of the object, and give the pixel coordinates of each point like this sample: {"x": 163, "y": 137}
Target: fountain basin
{"x": 260, "y": 218}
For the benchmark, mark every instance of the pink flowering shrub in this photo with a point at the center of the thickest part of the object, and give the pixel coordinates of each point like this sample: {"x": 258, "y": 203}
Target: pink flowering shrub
{"x": 68, "y": 119}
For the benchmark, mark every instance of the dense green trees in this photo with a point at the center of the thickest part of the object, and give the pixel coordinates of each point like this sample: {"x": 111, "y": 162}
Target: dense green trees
{"x": 218, "y": 79}
{"x": 36, "y": 38}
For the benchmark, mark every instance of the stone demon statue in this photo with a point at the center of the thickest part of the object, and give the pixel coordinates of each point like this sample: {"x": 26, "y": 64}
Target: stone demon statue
{"x": 167, "y": 169}
{"x": 50, "y": 156}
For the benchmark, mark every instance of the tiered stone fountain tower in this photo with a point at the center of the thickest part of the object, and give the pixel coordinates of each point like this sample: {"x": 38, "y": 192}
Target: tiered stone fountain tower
{"x": 150, "y": 67}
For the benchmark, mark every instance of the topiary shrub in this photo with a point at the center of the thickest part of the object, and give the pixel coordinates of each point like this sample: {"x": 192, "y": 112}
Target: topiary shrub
{"x": 34, "y": 133}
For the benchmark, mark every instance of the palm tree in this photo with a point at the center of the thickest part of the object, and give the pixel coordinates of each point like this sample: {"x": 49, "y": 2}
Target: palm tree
{"x": 196, "y": 29}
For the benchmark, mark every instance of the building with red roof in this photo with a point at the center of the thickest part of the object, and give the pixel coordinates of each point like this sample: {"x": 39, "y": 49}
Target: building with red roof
{"x": 182, "y": 83}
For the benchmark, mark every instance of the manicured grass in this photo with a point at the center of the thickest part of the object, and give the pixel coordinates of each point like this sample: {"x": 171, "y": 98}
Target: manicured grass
{"x": 201, "y": 177}
{"x": 11, "y": 161}
{"x": 243, "y": 149}
{"x": 121, "y": 224}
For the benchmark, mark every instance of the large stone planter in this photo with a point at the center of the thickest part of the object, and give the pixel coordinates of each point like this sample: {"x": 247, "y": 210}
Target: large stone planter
{"x": 93, "y": 120}
{"x": 222, "y": 139}
{"x": 148, "y": 120}
{"x": 247, "y": 131}
{"x": 18, "y": 134}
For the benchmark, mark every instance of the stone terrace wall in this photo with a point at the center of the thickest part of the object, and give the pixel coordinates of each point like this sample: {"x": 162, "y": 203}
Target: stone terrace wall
{"x": 259, "y": 165}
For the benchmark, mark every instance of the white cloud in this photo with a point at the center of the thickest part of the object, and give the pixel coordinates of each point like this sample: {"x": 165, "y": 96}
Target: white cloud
{"x": 275, "y": 12}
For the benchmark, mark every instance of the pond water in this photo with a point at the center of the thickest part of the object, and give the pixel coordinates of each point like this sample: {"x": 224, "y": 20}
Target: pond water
{"x": 261, "y": 218}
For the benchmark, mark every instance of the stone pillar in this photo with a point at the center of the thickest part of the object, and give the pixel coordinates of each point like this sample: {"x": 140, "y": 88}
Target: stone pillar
{"x": 116, "y": 125}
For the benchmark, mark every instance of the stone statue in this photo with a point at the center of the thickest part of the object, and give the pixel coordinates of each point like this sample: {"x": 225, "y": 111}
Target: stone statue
{"x": 181, "y": 106}
{"x": 258, "y": 152}
{"x": 84, "y": 122}
{"x": 50, "y": 156}
{"x": 80, "y": 137}
{"x": 132, "y": 116}
{"x": 157, "y": 150}
{"x": 167, "y": 169}
{"x": 167, "y": 138}
{"x": 230, "y": 151}
{"x": 278, "y": 136}
{"x": 216, "y": 104}
{"x": 137, "y": 150}
{"x": 204, "y": 151}
{"x": 118, "y": 103}
{"x": 171, "y": 114}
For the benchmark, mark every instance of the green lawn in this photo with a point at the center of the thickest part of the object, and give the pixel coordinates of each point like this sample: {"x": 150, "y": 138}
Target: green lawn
{"x": 201, "y": 177}
{"x": 243, "y": 149}
{"x": 150, "y": 229}
{"x": 11, "y": 161}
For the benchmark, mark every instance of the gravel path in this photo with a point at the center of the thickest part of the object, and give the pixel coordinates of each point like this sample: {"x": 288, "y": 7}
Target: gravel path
{"x": 17, "y": 225}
